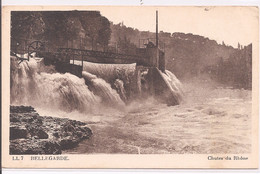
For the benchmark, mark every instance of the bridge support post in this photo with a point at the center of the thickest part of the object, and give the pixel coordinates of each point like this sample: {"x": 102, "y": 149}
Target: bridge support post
{"x": 157, "y": 58}
{"x": 135, "y": 86}
{"x": 153, "y": 54}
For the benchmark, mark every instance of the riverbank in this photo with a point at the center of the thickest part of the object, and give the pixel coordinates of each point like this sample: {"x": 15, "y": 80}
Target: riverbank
{"x": 31, "y": 133}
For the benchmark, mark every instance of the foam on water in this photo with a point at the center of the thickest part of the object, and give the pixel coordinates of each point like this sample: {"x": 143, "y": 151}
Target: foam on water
{"x": 103, "y": 86}
{"x": 214, "y": 121}
{"x": 119, "y": 76}
{"x": 104, "y": 90}
{"x": 119, "y": 84}
{"x": 174, "y": 84}
{"x": 53, "y": 91}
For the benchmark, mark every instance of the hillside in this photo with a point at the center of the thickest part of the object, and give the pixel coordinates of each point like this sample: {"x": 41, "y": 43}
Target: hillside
{"x": 189, "y": 55}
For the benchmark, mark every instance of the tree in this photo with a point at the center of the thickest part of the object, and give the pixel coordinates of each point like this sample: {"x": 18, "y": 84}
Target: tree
{"x": 59, "y": 27}
{"x": 238, "y": 46}
{"x": 26, "y": 24}
{"x": 96, "y": 27}
{"x": 104, "y": 33}
{"x": 125, "y": 46}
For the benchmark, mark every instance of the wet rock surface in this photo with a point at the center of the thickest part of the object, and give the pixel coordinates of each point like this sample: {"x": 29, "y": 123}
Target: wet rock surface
{"x": 31, "y": 133}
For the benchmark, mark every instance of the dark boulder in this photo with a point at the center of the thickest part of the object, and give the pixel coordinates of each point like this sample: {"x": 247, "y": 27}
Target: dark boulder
{"x": 34, "y": 134}
{"x": 26, "y": 146}
{"x": 37, "y": 132}
{"x": 21, "y": 109}
{"x": 17, "y": 132}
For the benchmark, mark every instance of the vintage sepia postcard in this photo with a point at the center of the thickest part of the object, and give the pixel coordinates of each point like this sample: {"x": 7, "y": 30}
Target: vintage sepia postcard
{"x": 130, "y": 87}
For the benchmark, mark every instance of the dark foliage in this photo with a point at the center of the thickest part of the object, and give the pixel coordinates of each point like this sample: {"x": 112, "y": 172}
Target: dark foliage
{"x": 235, "y": 71}
{"x": 189, "y": 55}
{"x": 60, "y": 28}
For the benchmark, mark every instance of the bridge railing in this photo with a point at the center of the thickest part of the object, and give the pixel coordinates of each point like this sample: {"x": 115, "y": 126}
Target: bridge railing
{"x": 105, "y": 57}
{"x": 97, "y": 53}
{"x": 28, "y": 46}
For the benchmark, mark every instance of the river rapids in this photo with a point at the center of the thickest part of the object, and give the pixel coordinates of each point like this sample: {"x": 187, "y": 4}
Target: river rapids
{"x": 210, "y": 119}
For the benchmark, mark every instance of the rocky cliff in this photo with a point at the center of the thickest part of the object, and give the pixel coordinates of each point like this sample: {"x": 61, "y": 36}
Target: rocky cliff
{"x": 31, "y": 133}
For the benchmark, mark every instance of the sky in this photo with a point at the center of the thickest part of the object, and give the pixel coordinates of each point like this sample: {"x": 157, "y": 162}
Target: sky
{"x": 228, "y": 24}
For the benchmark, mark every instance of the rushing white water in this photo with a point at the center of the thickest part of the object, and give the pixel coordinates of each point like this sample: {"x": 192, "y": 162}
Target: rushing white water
{"x": 33, "y": 83}
{"x": 211, "y": 120}
{"x": 54, "y": 91}
{"x": 174, "y": 84}
{"x": 102, "y": 89}
{"x": 119, "y": 84}
{"x": 102, "y": 86}
{"x": 119, "y": 76}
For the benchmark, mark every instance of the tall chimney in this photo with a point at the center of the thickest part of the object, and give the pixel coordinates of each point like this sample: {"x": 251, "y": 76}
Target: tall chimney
{"x": 156, "y": 28}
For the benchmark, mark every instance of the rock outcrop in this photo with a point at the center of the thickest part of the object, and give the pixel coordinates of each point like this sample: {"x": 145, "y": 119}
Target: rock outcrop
{"x": 31, "y": 133}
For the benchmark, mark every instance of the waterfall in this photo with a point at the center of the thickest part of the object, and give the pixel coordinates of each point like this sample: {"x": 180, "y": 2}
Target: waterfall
{"x": 102, "y": 86}
{"x": 174, "y": 84}
{"x": 31, "y": 86}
